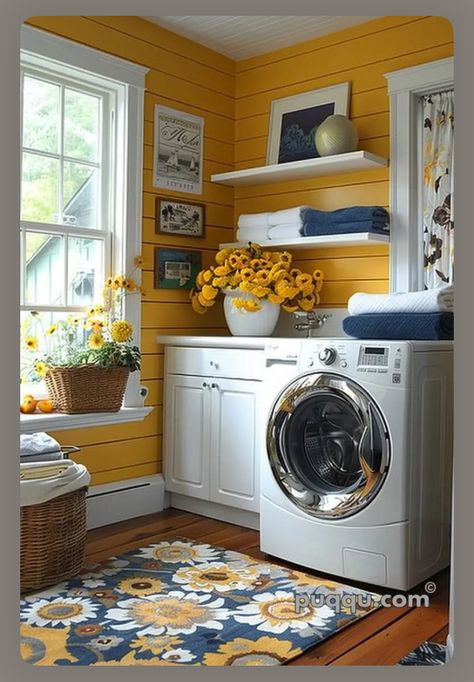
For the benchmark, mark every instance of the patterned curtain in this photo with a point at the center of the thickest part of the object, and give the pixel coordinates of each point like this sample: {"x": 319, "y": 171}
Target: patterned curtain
{"x": 438, "y": 205}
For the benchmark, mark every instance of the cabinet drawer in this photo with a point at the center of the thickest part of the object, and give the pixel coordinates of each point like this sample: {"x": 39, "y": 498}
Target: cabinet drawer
{"x": 234, "y": 363}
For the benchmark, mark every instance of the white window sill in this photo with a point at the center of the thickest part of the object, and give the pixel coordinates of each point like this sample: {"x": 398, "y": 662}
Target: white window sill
{"x": 30, "y": 423}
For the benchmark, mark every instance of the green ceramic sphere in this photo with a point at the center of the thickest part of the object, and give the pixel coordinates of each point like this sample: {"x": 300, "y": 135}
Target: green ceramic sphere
{"x": 336, "y": 135}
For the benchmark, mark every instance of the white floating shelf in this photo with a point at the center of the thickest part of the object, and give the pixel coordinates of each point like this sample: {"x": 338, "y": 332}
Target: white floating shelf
{"x": 327, "y": 241}
{"x": 58, "y": 421}
{"x": 297, "y": 170}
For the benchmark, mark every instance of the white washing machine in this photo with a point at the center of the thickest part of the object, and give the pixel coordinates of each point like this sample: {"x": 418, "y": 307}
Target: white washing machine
{"x": 357, "y": 456}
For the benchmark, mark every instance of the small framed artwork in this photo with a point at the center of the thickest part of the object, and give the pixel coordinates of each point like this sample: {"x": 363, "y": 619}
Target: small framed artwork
{"x": 294, "y": 120}
{"x": 186, "y": 218}
{"x": 176, "y": 268}
{"x": 178, "y": 150}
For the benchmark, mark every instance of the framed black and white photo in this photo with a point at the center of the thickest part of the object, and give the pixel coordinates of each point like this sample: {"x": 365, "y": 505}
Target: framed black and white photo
{"x": 186, "y": 218}
{"x": 178, "y": 150}
{"x": 294, "y": 120}
{"x": 176, "y": 268}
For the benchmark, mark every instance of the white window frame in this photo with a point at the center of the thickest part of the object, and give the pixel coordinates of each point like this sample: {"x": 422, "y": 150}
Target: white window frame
{"x": 406, "y": 87}
{"x": 127, "y": 81}
{"x": 30, "y": 67}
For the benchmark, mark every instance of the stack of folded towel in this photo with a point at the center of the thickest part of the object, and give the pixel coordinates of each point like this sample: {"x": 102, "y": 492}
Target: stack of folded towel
{"x": 345, "y": 221}
{"x": 39, "y": 447}
{"x": 413, "y": 316}
{"x": 305, "y": 221}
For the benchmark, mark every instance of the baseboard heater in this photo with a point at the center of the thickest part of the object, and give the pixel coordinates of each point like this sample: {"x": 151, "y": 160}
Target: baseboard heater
{"x": 113, "y": 502}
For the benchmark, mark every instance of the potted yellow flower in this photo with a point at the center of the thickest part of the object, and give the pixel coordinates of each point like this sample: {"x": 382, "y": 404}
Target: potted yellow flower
{"x": 87, "y": 358}
{"x": 256, "y": 285}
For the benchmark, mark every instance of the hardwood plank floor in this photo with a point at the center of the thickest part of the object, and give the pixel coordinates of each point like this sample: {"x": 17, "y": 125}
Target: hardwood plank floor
{"x": 380, "y": 638}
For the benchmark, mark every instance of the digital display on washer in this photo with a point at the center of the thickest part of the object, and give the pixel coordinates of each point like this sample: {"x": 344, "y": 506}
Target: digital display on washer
{"x": 373, "y": 356}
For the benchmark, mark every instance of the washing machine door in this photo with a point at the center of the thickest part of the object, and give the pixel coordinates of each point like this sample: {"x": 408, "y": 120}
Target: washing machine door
{"x": 328, "y": 445}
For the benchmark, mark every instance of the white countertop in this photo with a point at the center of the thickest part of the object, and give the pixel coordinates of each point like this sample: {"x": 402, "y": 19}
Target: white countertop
{"x": 255, "y": 342}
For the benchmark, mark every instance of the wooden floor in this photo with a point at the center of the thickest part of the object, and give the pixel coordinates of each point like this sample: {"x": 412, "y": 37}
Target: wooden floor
{"x": 380, "y": 638}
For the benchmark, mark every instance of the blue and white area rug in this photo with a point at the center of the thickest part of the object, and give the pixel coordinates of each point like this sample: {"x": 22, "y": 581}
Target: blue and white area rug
{"x": 180, "y": 602}
{"x": 429, "y": 653}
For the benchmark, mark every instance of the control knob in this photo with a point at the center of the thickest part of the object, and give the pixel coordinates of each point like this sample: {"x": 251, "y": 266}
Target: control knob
{"x": 327, "y": 355}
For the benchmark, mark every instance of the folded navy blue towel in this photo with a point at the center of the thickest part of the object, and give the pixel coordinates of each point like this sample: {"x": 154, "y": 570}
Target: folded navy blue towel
{"x": 348, "y": 214}
{"x": 401, "y": 326}
{"x": 314, "y": 229}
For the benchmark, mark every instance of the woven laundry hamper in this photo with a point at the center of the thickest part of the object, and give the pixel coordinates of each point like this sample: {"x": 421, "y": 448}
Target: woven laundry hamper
{"x": 53, "y": 540}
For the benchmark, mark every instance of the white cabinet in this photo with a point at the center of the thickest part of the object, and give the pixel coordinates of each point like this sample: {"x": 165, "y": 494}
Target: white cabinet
{"x": 211, "y": 422}
{"x": 187, "y": 435}
{"x": 233, "y": 457}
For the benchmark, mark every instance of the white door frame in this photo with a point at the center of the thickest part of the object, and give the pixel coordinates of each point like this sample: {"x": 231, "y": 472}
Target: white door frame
{"x": 406, "y": 87}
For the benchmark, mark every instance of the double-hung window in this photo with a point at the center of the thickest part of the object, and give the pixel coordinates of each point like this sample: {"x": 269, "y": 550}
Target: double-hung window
{"x": 80, "y": 219}
{"x": 67, "y": 188}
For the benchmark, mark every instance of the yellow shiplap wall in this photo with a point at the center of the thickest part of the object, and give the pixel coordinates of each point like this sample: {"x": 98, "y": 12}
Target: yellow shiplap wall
{"x": 361, "y": 55}
{"x": 235, "y": 102}
{"x": 191, "y": 78}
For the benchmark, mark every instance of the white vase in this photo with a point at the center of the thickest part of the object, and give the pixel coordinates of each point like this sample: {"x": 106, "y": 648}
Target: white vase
{"x": 244, "y": 323}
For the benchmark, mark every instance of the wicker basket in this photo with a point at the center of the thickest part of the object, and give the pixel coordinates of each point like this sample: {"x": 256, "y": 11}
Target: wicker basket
{"x": 53, "y": 538}
{"x": 88, "y": 388}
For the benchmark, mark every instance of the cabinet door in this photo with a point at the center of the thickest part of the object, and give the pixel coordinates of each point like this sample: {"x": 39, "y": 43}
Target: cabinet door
{"x": 187, "y": 435}
{"x": 234, "y": 465}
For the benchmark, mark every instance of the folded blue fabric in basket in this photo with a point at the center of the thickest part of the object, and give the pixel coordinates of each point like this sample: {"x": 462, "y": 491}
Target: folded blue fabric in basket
{"x": 401, "y": 326}
{"x": 345, "y": 215}
{"x": 315, "y": 229}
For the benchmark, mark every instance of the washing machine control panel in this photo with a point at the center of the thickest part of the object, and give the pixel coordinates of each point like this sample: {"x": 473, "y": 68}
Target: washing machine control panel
{"x": 380, "y": 362}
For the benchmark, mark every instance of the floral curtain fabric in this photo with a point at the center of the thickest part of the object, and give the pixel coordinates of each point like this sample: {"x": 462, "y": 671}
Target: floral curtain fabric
{"x": 438, "y": 216}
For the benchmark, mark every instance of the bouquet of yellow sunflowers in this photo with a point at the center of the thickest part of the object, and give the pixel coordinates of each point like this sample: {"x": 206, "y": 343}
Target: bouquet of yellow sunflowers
{"x": 265, "y": 274}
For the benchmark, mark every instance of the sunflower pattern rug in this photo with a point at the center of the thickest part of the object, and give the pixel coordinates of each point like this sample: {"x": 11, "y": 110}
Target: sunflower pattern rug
{"x": 180, "y": 602}
{"x": 429, "y": 653}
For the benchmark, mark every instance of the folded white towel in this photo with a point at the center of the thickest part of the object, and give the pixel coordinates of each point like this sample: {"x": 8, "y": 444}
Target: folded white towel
{"x": 431, "y": 301}
{"x": 257, "y": 233}
{"x": 290, "y": 231}
{"x": 43, "y": 457}
{"x": 254, "y": 220}
{"x": 287, "y": 216}
{"x": 32, "y": 444}
{"x": 40, "y": 482}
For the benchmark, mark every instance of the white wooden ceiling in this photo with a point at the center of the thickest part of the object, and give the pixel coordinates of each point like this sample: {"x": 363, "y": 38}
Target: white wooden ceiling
{"x": 244, "y": 37}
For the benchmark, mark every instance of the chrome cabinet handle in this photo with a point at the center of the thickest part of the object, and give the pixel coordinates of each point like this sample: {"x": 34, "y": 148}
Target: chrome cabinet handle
{"x": 205, "y": 384}
{"x": 214, "y": 364}
{"x": 214, "y": 385}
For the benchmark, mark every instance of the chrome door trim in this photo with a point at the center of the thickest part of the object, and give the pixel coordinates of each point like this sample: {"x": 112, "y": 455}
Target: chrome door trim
{"x": 329, "y": 505}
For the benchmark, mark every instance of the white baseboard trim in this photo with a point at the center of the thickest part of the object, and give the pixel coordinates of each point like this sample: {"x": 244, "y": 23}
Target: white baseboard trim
{"x": 449, "y": 648}
{"x": 123, "y": 500}
{"x": 221, "y": 512}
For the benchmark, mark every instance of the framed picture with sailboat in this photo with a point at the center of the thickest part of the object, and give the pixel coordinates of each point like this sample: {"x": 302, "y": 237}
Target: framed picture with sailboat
{"x": 178, "y": 150}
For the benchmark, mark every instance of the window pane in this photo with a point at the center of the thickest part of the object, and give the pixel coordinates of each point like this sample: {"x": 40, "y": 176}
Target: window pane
{"x": 41, "y": 106}
{"x": 86, "y": 270}
{"x": 81, "y": 125}
{"x": 39, "y": 189}
{"x": 44, "y": 269}
{"x": 79, "y": 195}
